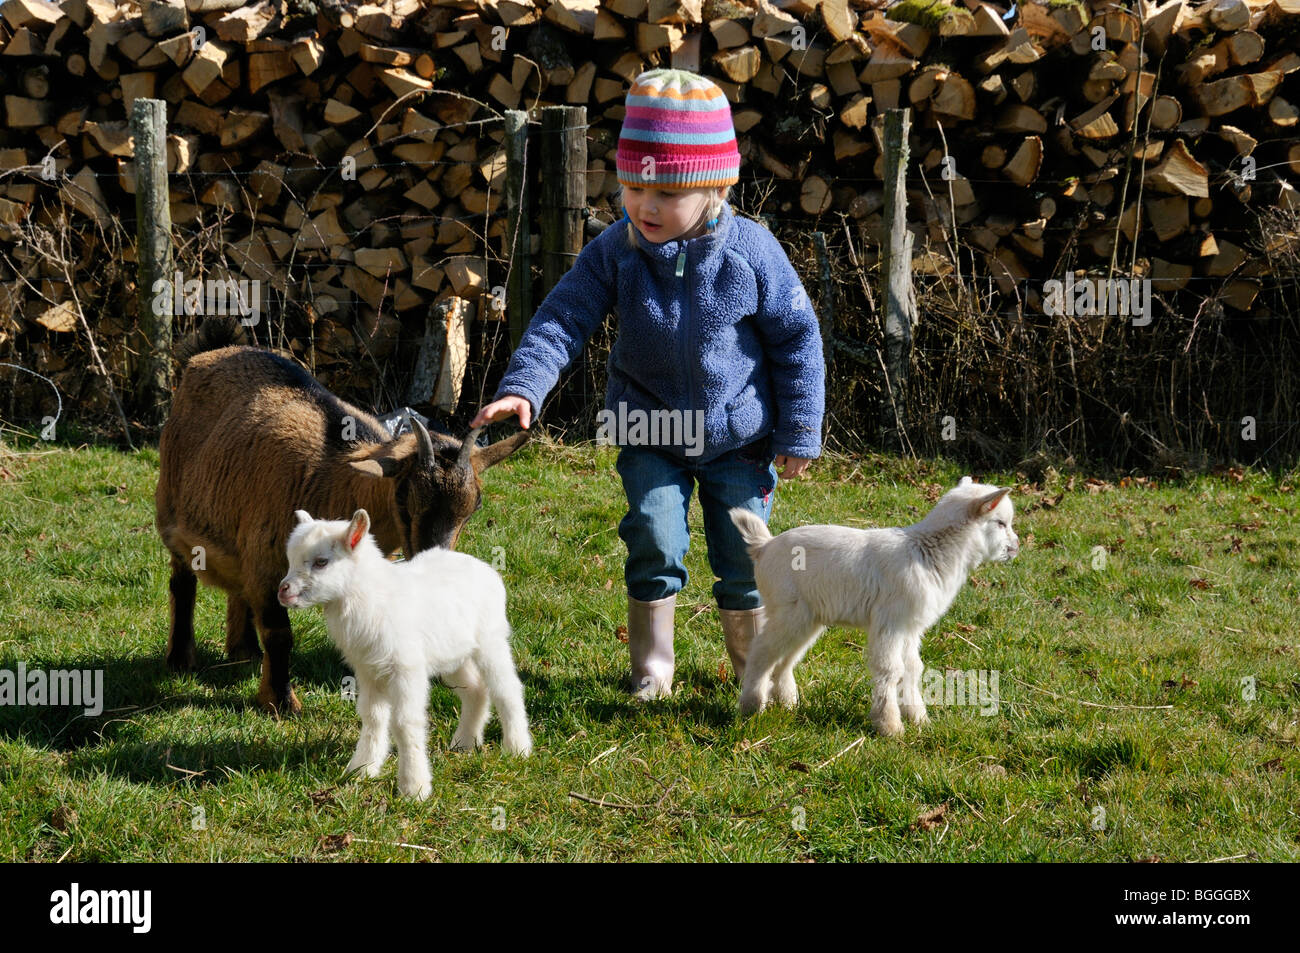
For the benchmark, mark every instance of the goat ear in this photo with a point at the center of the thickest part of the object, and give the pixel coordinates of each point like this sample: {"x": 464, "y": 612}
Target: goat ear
{"x": 983, "y": 507}
{"x": 303, "y": 516}
{"x": 357, "y": 528}
{"x": 965, "y": 481}
{"x": 494, "y": 454}
{"x": 391, "y": 460}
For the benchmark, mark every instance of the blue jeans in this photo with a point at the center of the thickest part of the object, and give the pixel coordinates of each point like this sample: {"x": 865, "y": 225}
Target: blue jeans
{"x": 658, "y": 489}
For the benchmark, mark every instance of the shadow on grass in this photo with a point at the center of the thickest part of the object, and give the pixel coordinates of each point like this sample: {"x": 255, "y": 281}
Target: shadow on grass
{"x": 135, "y": 684}
{"x": 1084, "y": 758}
{"x": 168, "y": 762}
{"x": 703, "y": 706}
{"x": 567, "y": 704}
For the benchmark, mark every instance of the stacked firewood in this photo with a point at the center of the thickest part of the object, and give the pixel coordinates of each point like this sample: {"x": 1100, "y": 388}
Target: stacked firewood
{"x": 351, "y": 158}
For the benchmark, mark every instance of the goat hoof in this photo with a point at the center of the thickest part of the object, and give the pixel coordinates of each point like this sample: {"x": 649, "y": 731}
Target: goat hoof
{"x": 416, "y": 790}
{"x": 278, "y": 705}
{"x": 915, "y": 714}
{"x": 518, "y": 745}
{"x": 244, "y": 653}
{"x": 889, "y": 727}
{"x": 182, "y": 660}
{"x": 786, "y": 694}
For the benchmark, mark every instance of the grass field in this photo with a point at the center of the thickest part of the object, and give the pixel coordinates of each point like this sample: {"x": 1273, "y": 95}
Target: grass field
{"x": 1126, "y": 725}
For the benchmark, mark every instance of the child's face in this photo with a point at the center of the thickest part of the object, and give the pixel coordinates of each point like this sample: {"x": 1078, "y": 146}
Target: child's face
{"x": 664, "y": 216}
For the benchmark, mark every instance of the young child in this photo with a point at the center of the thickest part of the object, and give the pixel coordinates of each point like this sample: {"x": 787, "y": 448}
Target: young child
{"x": 718, "y": 350}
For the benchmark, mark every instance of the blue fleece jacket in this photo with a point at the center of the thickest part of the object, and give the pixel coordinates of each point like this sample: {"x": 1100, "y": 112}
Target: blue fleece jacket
{"x": 734, "y": 336}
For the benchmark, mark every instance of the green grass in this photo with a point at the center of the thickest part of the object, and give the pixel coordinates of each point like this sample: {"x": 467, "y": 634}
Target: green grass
{"x": 1178, "y": 615}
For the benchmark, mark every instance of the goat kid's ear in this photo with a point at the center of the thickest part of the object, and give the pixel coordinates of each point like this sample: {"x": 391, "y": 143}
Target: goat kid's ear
{"x": 357, "y": 528}
{"x": 303, "y": 516}
{"x": 985, "y": 506}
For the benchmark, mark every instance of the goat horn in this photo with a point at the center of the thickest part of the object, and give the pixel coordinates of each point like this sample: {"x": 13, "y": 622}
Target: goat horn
{"x": 422, "y": 441}
{"x": 467, "y": 448}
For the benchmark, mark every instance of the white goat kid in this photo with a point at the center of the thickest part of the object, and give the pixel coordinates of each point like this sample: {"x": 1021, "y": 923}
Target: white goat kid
{"x": 441, "y": 613}
{"x": 893, "y": 583}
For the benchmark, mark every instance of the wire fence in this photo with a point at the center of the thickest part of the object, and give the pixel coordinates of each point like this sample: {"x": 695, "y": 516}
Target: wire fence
{"x": 993, "y": 379}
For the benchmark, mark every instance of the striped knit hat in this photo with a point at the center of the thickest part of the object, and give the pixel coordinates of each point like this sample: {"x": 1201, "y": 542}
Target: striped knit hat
{"x": 682, "y": 122}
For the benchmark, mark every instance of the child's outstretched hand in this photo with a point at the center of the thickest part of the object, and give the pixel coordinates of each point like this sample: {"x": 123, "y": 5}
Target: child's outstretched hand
{"x": 791, "y": 467}
{"x": 507, "y": 405}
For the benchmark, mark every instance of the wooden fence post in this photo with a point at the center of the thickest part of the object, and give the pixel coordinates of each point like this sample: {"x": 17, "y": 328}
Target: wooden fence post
{"x": 896, "y": 280}
{"x": 518, "y": 251}
{"x": 154, "y": 255}
{"x": 564, "y": 188}
{"x": 563, "y": 202}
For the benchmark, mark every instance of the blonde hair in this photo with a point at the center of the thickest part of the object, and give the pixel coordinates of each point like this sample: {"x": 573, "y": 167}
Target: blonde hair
{"x": 711, "y": 212}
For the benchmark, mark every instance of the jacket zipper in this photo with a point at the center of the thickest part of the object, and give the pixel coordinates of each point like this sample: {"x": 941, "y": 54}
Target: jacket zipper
{"x": 686, "y": 330}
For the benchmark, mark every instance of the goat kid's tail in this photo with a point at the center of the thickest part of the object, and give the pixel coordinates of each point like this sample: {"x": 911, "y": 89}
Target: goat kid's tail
{"x": 213, "y": 334}
{"x": 752, "y": 530}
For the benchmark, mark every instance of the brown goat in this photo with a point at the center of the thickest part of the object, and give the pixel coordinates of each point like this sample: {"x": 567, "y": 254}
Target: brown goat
{"x": 251, "y": 438}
